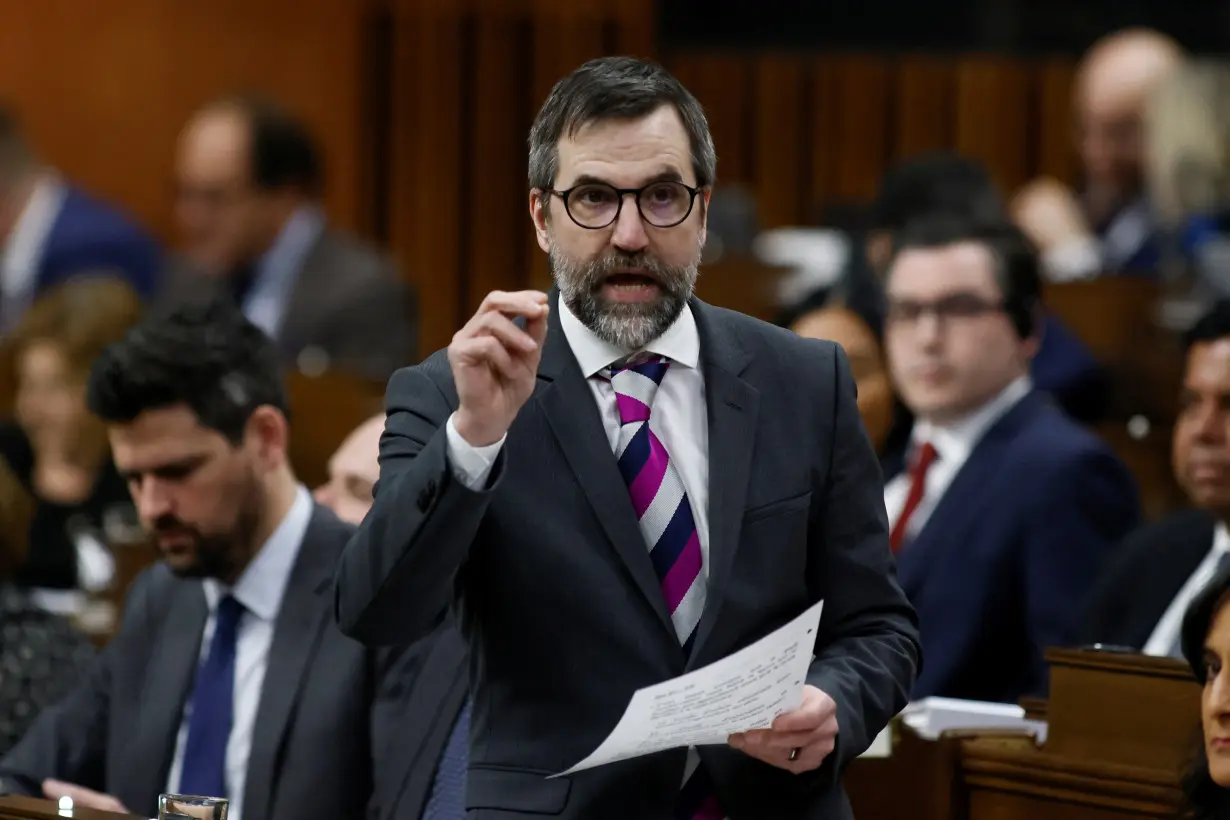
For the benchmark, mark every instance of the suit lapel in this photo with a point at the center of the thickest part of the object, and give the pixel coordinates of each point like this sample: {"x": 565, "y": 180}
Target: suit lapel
{"x": 732, "y": 406}
{"x": 568, "y": 404}
{"x": 170, "y": 678}
{"x": 300, "y": 625}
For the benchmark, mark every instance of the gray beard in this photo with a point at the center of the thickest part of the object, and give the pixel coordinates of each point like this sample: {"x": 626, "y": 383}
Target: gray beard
{"x": 628, "y": 326}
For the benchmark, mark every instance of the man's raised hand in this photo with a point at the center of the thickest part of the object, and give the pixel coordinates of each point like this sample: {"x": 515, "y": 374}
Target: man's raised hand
{"x": 495, "y": 363}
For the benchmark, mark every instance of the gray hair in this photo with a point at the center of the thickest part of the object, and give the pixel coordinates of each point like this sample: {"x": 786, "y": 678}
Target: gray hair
{"x": 615, "y": 88}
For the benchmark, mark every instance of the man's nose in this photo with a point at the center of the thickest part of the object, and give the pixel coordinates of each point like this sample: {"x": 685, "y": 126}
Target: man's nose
{"x": 153, "y": 499}
{"x": 629, "y": 234}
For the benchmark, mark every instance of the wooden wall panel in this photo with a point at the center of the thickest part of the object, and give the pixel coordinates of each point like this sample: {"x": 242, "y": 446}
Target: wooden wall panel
{"x": 993, "y": 117}
{"x": 852, "y": 141}
{"x": 780, "y": 138}
{"x": 104, "y": 88}
{"x": 1054, "y": 128}
{"x": 803, "y": 132}
{"x": 468, "y": 78}
{"x": 924, "y": 109}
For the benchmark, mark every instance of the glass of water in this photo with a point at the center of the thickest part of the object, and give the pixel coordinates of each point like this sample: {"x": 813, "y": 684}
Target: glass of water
{"x": 191, "y": 806}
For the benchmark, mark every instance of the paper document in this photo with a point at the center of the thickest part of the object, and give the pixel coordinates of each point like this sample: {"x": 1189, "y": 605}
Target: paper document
{"x": 743, "y": 691}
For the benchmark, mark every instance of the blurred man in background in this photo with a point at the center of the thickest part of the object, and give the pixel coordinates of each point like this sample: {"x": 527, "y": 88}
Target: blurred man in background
{"x": 51, "y": 230}
{"x": 1142, "y": 595}
{"x": 1108, "y": 226}
{"x": 248, "y": 182}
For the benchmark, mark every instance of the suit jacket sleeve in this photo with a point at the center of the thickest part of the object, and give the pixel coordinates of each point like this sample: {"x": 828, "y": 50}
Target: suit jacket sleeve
{"x": 867, "y": 650}
{"x": 69, "y": 740}
{"x": 396, "y": 576}
{"x": 1083, "y": 508}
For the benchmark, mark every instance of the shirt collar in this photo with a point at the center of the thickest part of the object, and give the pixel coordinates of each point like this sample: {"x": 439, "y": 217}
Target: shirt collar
{"x": 956, "y": 440}
{"x": 296, "y": 238}
{"x": 680, "y": 342}
{"x": 262, "y": 585}
{"x": 1221, "y": 539}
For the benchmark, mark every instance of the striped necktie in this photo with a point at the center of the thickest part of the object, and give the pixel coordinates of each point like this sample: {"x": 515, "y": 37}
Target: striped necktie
{"x": 666, "y": 521}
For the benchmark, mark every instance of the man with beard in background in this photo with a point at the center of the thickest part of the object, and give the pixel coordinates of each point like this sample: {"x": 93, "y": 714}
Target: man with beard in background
{"x": 228, "y": 677}
{"x": 615, "y": 483}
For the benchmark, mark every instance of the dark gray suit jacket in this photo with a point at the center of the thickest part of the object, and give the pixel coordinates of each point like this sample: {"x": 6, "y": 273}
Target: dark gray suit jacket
{"x": 323, "y": 732}
{"x": 348, "y": 302}
{"x": 430, "y": 711}
{"x": 558, "y": 599}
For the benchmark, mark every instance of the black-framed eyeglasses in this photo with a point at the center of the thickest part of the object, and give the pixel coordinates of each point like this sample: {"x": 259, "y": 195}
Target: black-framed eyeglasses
{"x": 957, "y": 306}
{"x": 596, "y": 205}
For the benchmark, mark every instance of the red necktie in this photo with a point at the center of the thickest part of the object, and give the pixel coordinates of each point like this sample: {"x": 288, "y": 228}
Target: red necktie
{"x": 924, "y": 457}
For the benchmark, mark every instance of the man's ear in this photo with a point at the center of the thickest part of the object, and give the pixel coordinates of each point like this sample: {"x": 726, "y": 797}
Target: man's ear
{"x": 540, "y": 215}
{"x": 269, "y": 432}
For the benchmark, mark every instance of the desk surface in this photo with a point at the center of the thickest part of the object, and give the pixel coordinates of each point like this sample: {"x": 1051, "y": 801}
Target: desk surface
{"x": 29, "y": 808}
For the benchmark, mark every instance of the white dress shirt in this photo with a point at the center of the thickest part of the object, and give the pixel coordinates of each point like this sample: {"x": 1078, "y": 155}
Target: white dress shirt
{"x": 260, "y": 589}
{"x": 953, "y": 444}
{"x": 1167, "y": 629}
{"x": 678, "y": 415}
{"x": 26, "y": 244}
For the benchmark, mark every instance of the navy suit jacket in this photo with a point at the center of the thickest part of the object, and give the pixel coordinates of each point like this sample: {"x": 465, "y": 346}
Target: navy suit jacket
{"x": 1003, "y": 567}
{"x": 90, "y": 235}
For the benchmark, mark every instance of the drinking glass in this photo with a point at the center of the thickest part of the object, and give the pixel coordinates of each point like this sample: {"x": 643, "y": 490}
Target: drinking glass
{"x": 191, "y": 806}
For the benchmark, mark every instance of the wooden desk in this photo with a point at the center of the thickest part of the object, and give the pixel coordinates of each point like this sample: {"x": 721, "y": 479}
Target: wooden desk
{"x": 1120, "y": 732}
{"x": 28, "y": 808}
{"x": 1121, "y": 729}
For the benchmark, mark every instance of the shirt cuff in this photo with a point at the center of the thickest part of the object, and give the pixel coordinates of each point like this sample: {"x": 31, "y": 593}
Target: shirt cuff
{"x": 1073, "y": 261}
{"x": 470, "y": 465}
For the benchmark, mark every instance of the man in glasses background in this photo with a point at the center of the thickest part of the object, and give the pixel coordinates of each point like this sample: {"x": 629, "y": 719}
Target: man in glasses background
{"x": 615, "y": 483}
{"x": 1006, "y": 507}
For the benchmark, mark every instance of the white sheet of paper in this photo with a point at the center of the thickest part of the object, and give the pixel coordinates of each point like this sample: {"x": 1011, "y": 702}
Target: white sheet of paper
{"x": 741, "y": 692}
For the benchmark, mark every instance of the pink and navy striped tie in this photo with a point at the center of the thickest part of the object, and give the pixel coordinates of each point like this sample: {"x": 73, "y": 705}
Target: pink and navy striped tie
{"x": 666, "y": 521}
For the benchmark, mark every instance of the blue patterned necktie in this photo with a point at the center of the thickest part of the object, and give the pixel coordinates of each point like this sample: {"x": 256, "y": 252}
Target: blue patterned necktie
{"x": 447, "y": 799}
{"x": 213, "y": 698}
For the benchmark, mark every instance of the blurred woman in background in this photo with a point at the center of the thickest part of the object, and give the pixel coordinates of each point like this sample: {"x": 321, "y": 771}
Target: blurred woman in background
{"x": 1206, "y": 646}
{"x": 827, "y": 315}
{"x": 54, "y": 448}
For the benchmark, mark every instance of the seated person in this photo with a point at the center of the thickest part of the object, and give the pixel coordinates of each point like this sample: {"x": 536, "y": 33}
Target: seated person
{"x": 1146, "y": 587}
{"x": 228, "y": 677}
{"x": 41, "y": 654}
{"x": 353, "y": 472}
{"x": 1007, "y": 507}
{"x": 1206, "y": 647}
{"x": 248, "y": 178}
{"x": 1109, "y": 226}
{"x": 436, "y": 723}
{"x": 55, "y": 448}
{"x": 832, "y": 320}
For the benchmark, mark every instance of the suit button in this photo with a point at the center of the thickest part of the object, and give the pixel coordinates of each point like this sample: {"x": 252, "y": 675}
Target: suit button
{"x": 427, "y": 495}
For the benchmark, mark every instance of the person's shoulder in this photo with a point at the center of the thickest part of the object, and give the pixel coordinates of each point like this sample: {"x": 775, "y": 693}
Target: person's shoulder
{"x": 327, "y": 532}
{"x": 364, "y": 262}
{"x": 434, "y": 370}
{"x": 1182, "y": 526}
